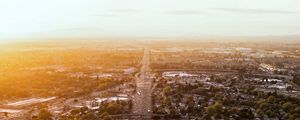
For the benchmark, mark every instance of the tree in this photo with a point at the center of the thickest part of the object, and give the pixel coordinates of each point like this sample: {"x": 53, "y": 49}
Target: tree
{"x": 289, "y": 88}
{"x": 214, "y": 109}
{"x": 246, "y": 113}
{"x": 271, "y": 99}
{"x": 90, "y": 116}
{"x": 5, "y": 114}
{"x": 296, "y": 79}
{"x": 34, "y": 117}
{"x": 212, "y": 77}
{"x": 173, "y": 113}
{"x": 105, "y": 116}
{"x": 168, "y": 101}
{"x": 75, "y": 112}
{"x": 190, "y": 104}
{"x": 45, "y": 115}
{"x": 271, "y": 113}
{"x": 288, "y": 106}
{"x": 167, "y": 91}
{"x": 66, "y": 108}
{"x": 297, "y": 112}
{"x": 114, "y": 108}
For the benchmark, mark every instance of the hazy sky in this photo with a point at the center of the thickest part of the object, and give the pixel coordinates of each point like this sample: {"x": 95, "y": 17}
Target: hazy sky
{"x": 152, "y": 18}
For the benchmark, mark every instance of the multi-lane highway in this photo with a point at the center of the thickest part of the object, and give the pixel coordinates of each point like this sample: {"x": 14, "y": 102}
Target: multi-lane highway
{"x": 142, "y": 98}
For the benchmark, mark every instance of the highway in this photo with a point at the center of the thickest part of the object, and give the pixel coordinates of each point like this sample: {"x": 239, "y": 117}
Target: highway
{"x": 142, "y": 98}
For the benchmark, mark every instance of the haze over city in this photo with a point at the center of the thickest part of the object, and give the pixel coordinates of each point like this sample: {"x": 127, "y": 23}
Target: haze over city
{"x": 149, "y": 60}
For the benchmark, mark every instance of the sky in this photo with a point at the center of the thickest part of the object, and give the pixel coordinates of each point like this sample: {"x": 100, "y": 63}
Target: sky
{"x": 147, "y": 18}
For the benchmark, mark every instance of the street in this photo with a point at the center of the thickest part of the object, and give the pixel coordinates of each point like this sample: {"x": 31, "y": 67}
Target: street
{"x": 142, "y": 98}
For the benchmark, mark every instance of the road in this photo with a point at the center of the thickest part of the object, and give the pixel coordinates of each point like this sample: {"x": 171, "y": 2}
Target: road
{"x": 142, "y": 98}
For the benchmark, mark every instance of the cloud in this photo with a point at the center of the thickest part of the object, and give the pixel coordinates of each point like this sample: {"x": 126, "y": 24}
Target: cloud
{"x": 125, "y": 11}
{"x": 106, "y": 15}
{"x": 117, "y": 12}
{"x": 184, "y": 12}
{"x": 79, "y": 29}
{"x": 292, "y": 27}
{"x": 255, "y": 11}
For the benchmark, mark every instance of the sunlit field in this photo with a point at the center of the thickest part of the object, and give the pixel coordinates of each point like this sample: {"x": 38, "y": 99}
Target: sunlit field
{"x": 62, "y": 72}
